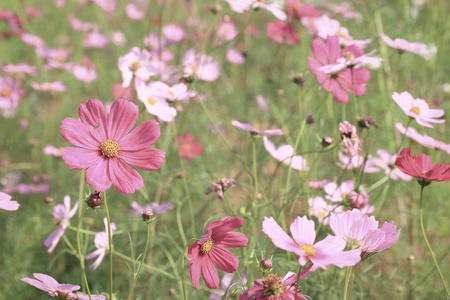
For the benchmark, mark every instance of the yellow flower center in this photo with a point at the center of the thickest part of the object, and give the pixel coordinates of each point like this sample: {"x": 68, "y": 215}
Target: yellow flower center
{"x": 171, "y": 93}
{"x": 349, "y": 56}
{"x": 5, "y": 93}
{"x": 308, "y": 249}
{"x": 272, "y": 286}
{"x": 415, "y": 110}
{"x": 151, "y": 101}
{"x": 207, "y": 246}
{"x": 109, "y": 148}
{"x": 135, "y": 66}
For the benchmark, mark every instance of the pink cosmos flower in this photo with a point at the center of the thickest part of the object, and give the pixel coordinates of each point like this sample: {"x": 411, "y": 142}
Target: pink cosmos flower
{"x": 156, "y": 208}
{"x": 285, "y": 154}
{"x": 177, "y": 92}
{"x": 227, "y": 31}
{"x": 350, "y": 162}
{"x": 274, "y": 288}
{"x": 134, "y": 11}
{"x": 10, "y": 95}
{"x": 56, "y": 86}
{"x": 422, "y": 139}
{"x": 53, "y": 151}
{"x": 421, "y": 167}
{"x": 352, "y": 57}
{"x": 154, "y": 103}
{"x": 62, "y": 214}
{"x": 189, "y": 146}
{"x": 21, "y": 68}
{"x": 7, "y": 204}
{"x": 318, "y": 184}
{"x": 106, "y": 145}
{"x": 283, "y": 32}
{"x": 321, "y": 209}
{"x": 226, "y": 287}
{"x": 155, "y": 41}
{"x": 362, "y": 232}
{"x": 118, "y": 38}
{"x": 136, "y": 62}
{"x": 93, "y": 297}
{"x": 340, "y": 84}
{"x": 79, "y": 25}
{"x": 350, "y": 140}
{"x": 418, "y": 109}
{"x": 49, "y": 285}
{"x": 200, "y": 66}
{"x": 336, "y": 193}
{"x": 173, "y": 33}
{"x": 240, "y": 6}
{"x": 211, "y": 251}
{"x": 32, "y": 40}
{"x": 404, "y": 46}
{"x": 106, "y": 5}
{"x": 58, "y": 54}
{"x": 262, "y": 102}
{"x": 254, "y": 130}
{"x": 235, "y": 57}
{"x": 386, "y": 162}
{"x": 119, "y": 92}
{"x": 84, "y": 74}
{"x": 102, "y": 243}
{"x": 297, "y": 10}
{"x": 329, "y": 251}
{"x": 95, "y": 40}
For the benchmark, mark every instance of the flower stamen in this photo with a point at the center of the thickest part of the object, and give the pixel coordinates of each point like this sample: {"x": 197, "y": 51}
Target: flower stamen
{"x": 308, "y": 249}
{"x": 207, "y": 246}
{"x": 109, "y": 148}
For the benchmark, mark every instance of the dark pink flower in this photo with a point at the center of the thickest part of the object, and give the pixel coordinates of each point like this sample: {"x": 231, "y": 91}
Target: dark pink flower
{"x": 345, "y": 81}
{"x": 296, "y": 9}
{"x": 283, "y": 32}
{"x": 189, "y": 146}
{"x": 211, "y": 251}
{"x": 107, "y": 148}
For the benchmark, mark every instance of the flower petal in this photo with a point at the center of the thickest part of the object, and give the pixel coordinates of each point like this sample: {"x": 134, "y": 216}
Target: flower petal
{"x": 122, "y": 117}
{"x": 93, "y": 113}
{"x": 78, "y": 134}
{"x": 79, "y": 158}
{"x": 209, "y": 273}
{"x": 277, "y": 235}
{"x": 141, "y": 137}
{"x": 124, "y": 178}
{"x": 98, "y": 175}
{"x": 145, "y": 159}
{"x": 224, "y": 259}
{"x": 303, "y": 231}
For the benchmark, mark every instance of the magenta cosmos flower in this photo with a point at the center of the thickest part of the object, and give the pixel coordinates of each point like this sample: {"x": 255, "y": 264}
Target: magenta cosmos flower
{"x": 418, "y": 109}
{"x": 211, "y": 251}
{"x": 7, "y": 204}
{"x": 274, "y": 288}
{"x": 340, "y": 83}
{"x": 329, "y": 251}
{"x": 52, "y": 287}
{"x": 283, "y": 32}
{"x": 106, "y": 145}
{"x": 421, "y": 167}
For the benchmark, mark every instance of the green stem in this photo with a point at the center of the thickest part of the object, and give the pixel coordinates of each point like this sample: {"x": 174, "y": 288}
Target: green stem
{"x": 230, "y": 207}
{"x": 182, "y": 268}
{"x": 142, "y": 262}
{"x": 110, "y": 247}
{"x": 403, "y": 136}
{"x": 348, "y": 272}
{"x": 422, "y": 227}
{"x": 151, "y": 268}
{"x": 255, "y": 178}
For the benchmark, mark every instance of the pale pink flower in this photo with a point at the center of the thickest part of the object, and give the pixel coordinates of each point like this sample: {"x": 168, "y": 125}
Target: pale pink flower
{"x": 156, "y": 208}
{"x": 404, "y": 46}
{"x": 102, "y": 243}
{"x": 58, "y": 54}
{"x": 275, "y": 288}
{"x": 95, "y": 40}
{"x": 107, "y": 148}
{"x": 85, "y": 73}
{"x": 350, "y": 162}
{"x": 59, "y": 3}
{"x": 53, "y": 151}
{"x": 7, "y": 204}
{"x": 226, "y": 287}
{"x": 118, "y": 38}
{"x": 321, "y": 209}
{"x": 49, "y": 285}
{"x": 155, "y": 41}
{"x": 32, "y": 40}
{"x": 240, "y": 6}
{"x": 235, "y": 57}
{"x": 62, "y": 214}
{"x": 329, "y": 251}
{"x": 177, "y": 92}
{"x": 21, "y": 68}
{"x": 343, "y": 9}
{"x": 254, "y": 130}
{"x": 119, "y": 92}
{"x": 79, "y": 25}
{"x": 136, "y": 62}
{"x": 297, "y": 10}
{"x": 273, "y": 7}
{"x": 350, "y": 140}
{"x": 283, "y": 32}
{"x": 134, "y": 11}
{"x": 285, "y": 154}
{"x": 10, "y": 95}
{"x": 200, "y": 66}
{"x": 154, "y": 103}
{"x": 362, "y": 232}
{"x": 211, "y": 251}
{"x": 107, "y": 5}
{"x": 318, "y": 184}
{"x": 337, "y": 193}
{"x": 422, "y": 139}
{"x": 418, "y": 109}
{"x": 55, "y": 86}
{"x": 227, "y": 31}
{"x": 386, "y": 162}
{"x": 92, "y": 297}
{"x": 173, "y": 33}
{"x": 262, "y": 102}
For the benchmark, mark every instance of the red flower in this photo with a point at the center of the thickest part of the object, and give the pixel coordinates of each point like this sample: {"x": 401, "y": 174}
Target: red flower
{"x": 344, "y": 81}
{"x": 421, "y": 167}
{"x": 189, "y": 146}
{"x": 210, "y": 251}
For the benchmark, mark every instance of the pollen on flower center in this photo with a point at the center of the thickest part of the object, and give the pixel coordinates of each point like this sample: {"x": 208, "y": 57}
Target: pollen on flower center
{"x": 134, "y": 66}
{"x": 207, "y": 246}
{"x": 5, "y": 93}
{"x": 308, "y": 249}
{"x": 415, "y": 110}
{"x": 349, "y": 56}
{"x": 109, "y": 148}
{"x": 151, "y": 100}
{"x": 272, "y": 285}
{"x": 171, "y": 93}
{"x": 352, "y": 243}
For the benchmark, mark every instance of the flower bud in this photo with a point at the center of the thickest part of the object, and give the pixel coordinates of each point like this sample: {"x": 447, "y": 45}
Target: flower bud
{"x": 48, "y": 200}
{"x": 266, "y": 263}
{"x": 357, "y": 200}
{"x": 310, "y": 119}
{"x": 327, "y": 141}
{"x": 95, "y": 199}
{"x": 148, "y": 216}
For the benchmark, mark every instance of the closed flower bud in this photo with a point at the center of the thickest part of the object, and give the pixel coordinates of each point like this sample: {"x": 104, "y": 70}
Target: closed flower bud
{"x": 310, "y": 119}
{"x": 148, "y": 216}
{"x": 95, "y": 199}
{"x": 326, "y": 141}
{"x": 266, "y": 263}
{"x": 357, "y": 200}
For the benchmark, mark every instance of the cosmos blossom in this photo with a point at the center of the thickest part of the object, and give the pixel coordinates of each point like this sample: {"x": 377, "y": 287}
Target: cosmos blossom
{"x": 274, "y": 288}
{"x": 156, "y": 208}
{"x": 403, "y": 45}
{"x": 421, "y": 167}
{"x": 55, "y": 86}
{"x": 422, "y": 139}
{"x": 329, "y": 251}
{"x": 102, "y": 243}
{"x": 136, "y": 63}
{"x": 254, "y": 130}
{"x": 107, "y": 148}
{"x": 189, "y": 146}
{"x": 283, "y": 32}
{"x": 211, "y": 251}
{"x": 418, "y": 109}
{"x": 340, "y": 83}
{"x": 52, "y": 287}
{"x": 7, "y": 204}
{"x": 285, "y": 154}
